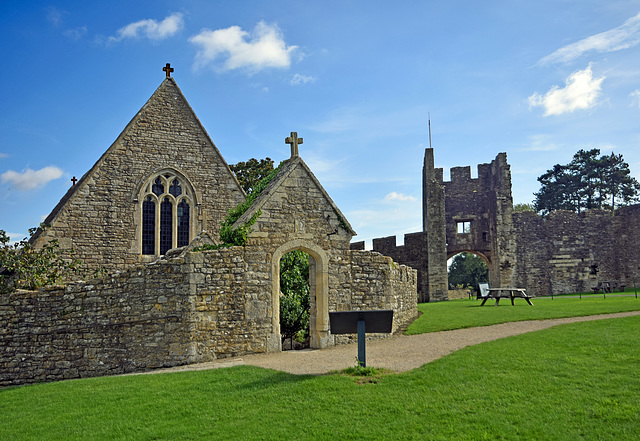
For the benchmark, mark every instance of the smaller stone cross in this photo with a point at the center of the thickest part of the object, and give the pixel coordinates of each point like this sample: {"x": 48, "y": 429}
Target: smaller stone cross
{"x": 168, "y": 69}
{"x": 294, "y": 141}
{"x": 74, "y": 180}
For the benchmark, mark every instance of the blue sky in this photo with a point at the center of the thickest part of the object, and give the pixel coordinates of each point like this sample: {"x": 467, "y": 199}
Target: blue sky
{"x": 357, "y": 80}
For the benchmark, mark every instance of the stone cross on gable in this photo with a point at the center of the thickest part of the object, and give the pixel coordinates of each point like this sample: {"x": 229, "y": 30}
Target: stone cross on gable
{"x": 168, "y": 69}
{"x": 294, "y": 141}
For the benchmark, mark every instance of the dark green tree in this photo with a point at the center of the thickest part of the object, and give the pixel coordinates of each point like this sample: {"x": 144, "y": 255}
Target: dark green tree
{"x": 467, "y": 270}
{"x": 618, "y": 185}
{"x": 294, "y": 298}
{"x": 251, "y": 172}
{"x": 559, "y": 191}
{"x": 588, "y": 181}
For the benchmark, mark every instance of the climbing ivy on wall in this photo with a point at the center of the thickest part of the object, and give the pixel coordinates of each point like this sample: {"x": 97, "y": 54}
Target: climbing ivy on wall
{"x": 229, "y": 236}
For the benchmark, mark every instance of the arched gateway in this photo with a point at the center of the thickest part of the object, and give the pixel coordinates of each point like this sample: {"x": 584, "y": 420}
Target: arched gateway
{"x": 294, "y": 212}
{"x": 318, "y": 290}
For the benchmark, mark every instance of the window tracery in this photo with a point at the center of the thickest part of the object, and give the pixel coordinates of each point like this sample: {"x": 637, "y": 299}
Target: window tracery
{"x": 166, "y": 213}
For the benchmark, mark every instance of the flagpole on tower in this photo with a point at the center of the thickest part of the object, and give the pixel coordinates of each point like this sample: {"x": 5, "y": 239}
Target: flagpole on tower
{"x": 429, "y": 116}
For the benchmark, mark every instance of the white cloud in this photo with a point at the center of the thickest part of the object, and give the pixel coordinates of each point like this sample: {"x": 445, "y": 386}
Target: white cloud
{"x": 263, "y": 48}
{"x": 394, "y": 196}
{"x": 55, "y": 15}
{"x": 623, "y": 37}
{"x": 77, "y": 33}
{"x": 302, "y": 79}
{"x": 30, "y": 179}
{"x": 580, "y": 92}
{"x": 4, "y": 155}
{"x": 151, "y": 29}
{"x": 635, "y": 97}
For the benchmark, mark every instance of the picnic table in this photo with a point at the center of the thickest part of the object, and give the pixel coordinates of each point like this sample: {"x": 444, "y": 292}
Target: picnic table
{"x": 510, "y": 293}
{"x": 608, "y": 287}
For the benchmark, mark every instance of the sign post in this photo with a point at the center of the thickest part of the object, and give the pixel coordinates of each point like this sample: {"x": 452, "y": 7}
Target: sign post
{"x": 361, "y": 322}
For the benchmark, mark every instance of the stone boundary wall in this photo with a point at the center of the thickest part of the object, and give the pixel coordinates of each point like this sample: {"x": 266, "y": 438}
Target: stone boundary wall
{"x": 374, "y": 281}
{"x": 232, "y": 303}
{"x": 130, "y": 322}
{"x": 193, "y": 308}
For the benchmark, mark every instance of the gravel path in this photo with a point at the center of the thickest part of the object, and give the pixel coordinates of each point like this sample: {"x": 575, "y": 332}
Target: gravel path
{"x": 399, "y": 353}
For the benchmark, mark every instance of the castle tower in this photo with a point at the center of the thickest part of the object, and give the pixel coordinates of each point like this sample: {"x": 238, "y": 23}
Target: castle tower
{"x": 433, "y": 225}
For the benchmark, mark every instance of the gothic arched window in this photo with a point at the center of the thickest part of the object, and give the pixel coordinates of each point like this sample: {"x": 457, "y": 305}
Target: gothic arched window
{"x": 166, "y": 213}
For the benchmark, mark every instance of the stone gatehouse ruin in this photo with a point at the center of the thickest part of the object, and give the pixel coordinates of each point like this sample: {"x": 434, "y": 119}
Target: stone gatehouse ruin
{"x": 564, "y": 252}
{"x": 161, "y": 189}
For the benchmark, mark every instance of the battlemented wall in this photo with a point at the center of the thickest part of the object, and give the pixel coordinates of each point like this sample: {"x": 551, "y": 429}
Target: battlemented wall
{"x": 414, "y": 253}
{"x": 482, "y": 206}
{"x": 546, "y": 255}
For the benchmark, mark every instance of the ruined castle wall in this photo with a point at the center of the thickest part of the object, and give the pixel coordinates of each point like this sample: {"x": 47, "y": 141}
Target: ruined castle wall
{"x": 413, "y": 253}
{"x": 533, "y": 252}
{"x": 556, "y": 254}
{"x": 627, "y": 232}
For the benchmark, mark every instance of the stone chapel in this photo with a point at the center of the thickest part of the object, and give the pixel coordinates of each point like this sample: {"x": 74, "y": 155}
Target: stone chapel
{"x": 161, "y": 188}
{"x": 160, "y": 184}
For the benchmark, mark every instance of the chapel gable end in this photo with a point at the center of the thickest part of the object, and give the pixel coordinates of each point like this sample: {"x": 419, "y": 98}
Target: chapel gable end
{"x": 160, "y": 184}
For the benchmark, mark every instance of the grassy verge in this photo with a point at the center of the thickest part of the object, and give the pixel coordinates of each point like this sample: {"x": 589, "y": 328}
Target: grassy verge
{"x": 457, "y": 314}
{"x": 575, "y": 381}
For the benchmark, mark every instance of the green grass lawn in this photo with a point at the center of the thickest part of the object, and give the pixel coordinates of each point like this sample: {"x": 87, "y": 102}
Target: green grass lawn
{"x": 457, "y": 314}
{"x": 576, "y": 381}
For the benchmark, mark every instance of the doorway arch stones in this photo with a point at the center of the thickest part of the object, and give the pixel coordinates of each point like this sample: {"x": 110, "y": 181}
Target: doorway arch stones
{"x": 318, "y": 292}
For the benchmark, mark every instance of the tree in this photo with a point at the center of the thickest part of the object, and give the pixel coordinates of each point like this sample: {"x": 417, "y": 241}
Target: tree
{"x": 467, "y": 270}
{"x": 22, "y": 266}
{"x": 587, "y": 182}
{"x": 619, "y": 184}
{"x": 294, "y": 298}
{"x": 522, "y": 207}
{"x": 251, "y": 172}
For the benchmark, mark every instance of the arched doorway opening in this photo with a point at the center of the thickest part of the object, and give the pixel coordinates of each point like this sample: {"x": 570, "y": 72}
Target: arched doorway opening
{"x": 319, "y": 336}
{"x": 295, "y": 306}
{"x": 465, "y": 271}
